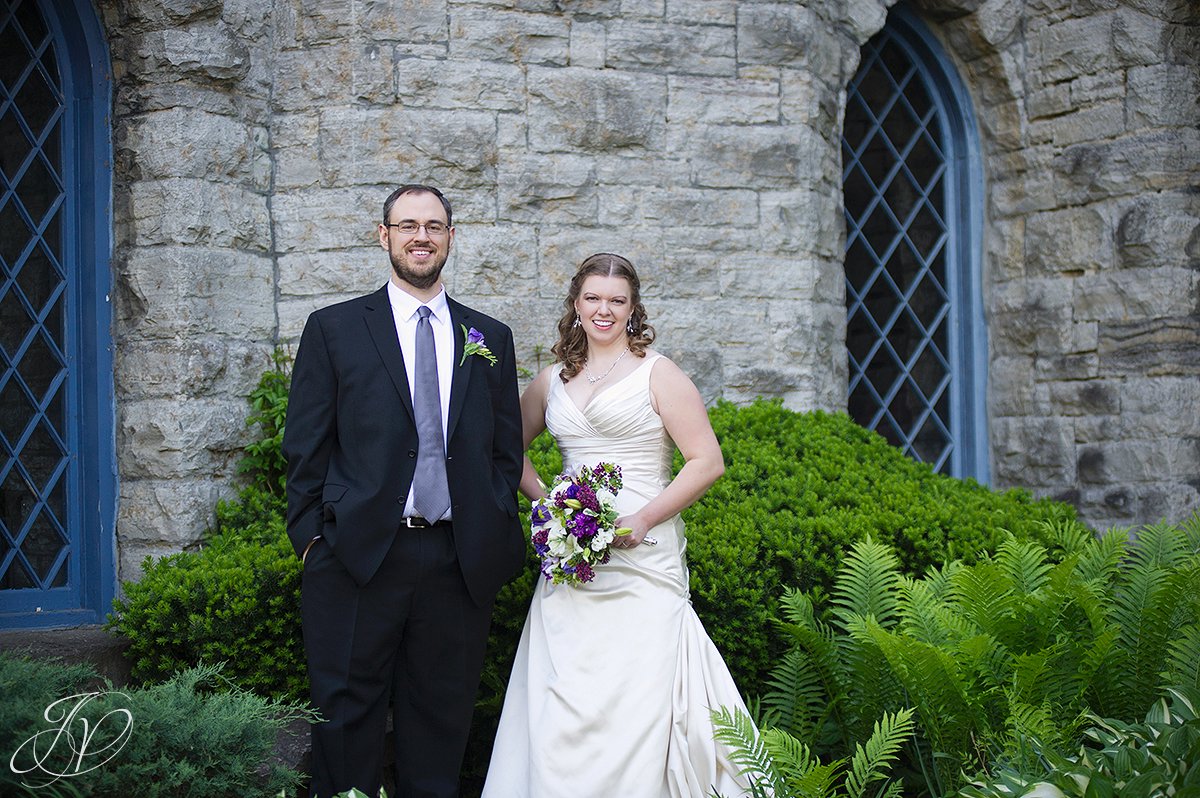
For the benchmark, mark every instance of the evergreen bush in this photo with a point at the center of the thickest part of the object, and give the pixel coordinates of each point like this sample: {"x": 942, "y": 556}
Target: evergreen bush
{"x": 189, "y": 736}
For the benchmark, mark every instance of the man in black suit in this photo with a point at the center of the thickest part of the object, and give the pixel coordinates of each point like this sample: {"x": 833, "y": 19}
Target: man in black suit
{"x": 403, "y": 443}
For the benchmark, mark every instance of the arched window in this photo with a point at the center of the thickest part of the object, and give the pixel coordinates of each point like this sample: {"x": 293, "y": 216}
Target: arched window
{"x": 915, "y": 333}
{"x": 57, "y": 461}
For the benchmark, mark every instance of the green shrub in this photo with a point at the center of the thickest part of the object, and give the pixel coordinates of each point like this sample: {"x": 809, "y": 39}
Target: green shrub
{"x": 190, "y": 736}
{"x": 1015, "y": 646}
{"x": 798, "y": 489}
{"x": 231, "y": 601}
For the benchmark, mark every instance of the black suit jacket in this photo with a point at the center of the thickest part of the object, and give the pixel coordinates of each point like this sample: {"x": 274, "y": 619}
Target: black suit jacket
{"x": 351, "y": 442}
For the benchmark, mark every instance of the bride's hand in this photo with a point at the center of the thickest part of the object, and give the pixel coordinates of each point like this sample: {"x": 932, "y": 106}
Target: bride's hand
{"x": 634, "y": 538}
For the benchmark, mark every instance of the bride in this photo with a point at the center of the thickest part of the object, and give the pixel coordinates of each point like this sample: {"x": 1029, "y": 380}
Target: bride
{"x": 614, "y": 679}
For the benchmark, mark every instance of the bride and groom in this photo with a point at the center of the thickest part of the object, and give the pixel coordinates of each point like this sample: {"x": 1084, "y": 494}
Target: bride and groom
{"x": 405, "y": 437}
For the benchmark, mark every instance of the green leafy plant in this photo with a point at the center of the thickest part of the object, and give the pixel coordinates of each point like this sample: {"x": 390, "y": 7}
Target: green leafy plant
{"x": 192, "y": 735}
{"x": 798, "y": 490}
{"x": 779, "y": 765}
{"x": 263, "y": 458}
{"x": 1013, "y": 647}
{"x": 1157, "y": 757}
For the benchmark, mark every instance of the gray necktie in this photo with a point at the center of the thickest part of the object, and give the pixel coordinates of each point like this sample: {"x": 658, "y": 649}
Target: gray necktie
{"x": 431, "y": 494}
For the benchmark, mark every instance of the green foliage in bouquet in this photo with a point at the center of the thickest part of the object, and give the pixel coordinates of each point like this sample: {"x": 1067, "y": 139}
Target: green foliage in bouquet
{"x": 192, "y": 735}
{"x": 798, "y": 490}
{"x": 236, "y": 599}
{"x": 1157, "y": 757}
{"x": 1015, "y": 647}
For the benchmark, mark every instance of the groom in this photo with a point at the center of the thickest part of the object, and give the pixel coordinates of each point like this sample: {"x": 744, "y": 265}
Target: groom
{"x": 403, "y": 443}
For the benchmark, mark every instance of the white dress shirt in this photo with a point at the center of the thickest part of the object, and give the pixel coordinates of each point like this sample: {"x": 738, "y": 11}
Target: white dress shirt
{"x": 404, "y": 314}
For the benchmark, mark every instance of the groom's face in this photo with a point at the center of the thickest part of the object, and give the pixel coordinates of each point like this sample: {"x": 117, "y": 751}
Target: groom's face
{"x": 417, "y": 256}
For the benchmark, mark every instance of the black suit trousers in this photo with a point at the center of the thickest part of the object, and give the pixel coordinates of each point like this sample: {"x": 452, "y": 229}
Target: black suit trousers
{"x": 412, "y": 635}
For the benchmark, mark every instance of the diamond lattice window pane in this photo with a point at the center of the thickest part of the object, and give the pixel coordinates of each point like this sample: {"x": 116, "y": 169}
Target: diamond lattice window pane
{"x": 34, "y": 546}
{"x": 897, "y": 303}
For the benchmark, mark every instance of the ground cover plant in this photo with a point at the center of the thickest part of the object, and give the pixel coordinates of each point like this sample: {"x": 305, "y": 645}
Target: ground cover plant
{"x": 191, "y": 735}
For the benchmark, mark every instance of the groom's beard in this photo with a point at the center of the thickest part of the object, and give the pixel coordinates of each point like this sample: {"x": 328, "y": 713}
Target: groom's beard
{"x": 426, "y": 278}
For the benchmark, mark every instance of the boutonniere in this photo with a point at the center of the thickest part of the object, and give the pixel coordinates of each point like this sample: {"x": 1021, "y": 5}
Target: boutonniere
{"x": 475, "y": 345}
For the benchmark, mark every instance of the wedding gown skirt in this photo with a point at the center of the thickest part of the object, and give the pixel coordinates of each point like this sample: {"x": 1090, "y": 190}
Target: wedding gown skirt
{"x": 614, "y": 680}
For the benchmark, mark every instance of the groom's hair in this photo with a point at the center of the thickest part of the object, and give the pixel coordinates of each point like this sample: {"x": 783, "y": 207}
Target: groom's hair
{"x": 416, "y": 188}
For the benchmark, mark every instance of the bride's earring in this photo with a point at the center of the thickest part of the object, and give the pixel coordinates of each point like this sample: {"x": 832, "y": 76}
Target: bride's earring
{"x": 629, "y": 325}
{"x": 578, "y": 321}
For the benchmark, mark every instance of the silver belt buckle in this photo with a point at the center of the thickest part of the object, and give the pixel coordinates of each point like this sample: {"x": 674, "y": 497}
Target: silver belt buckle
{"x": 408, "y": 522}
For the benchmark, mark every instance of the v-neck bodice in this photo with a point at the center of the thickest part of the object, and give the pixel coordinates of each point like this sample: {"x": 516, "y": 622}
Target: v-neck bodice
{"x": 618, "y": 425}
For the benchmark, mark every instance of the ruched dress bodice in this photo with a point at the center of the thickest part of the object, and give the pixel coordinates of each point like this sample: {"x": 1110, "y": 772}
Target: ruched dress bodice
{"x": 614, "y": 679}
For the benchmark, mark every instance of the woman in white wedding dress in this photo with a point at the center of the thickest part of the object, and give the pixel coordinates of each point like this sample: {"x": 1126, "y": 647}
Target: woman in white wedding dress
{"x": 614, "y": 680}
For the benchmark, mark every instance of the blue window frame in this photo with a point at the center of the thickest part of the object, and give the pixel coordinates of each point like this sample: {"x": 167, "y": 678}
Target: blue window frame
{"x": 915, "y": 334}
{"x": 57, "y": 448}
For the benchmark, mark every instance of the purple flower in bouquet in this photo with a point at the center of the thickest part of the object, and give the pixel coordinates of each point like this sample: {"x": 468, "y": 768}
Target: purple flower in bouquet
{"x": 572, "y": 528}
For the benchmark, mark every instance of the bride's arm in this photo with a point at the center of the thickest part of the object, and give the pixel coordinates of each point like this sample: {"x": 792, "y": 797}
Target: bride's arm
{"x": 678, "y": 403}
{"x": 533, "y": 421}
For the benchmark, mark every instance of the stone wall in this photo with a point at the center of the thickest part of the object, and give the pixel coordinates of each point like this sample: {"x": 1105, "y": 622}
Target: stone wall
{"x": 1089, "y": 119}
{"x": 256, "y": 141}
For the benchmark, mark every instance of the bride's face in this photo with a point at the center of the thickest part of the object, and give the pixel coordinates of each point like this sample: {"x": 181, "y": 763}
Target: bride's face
{"x": 604, "y": 306}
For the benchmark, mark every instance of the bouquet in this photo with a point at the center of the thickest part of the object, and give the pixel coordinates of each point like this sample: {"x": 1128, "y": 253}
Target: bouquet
{"x": 573, "y": 527}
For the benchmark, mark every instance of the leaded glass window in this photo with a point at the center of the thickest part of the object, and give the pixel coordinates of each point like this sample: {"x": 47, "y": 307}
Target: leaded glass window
{"x": 57, "y": 484}
{"x": 912, "y": 306}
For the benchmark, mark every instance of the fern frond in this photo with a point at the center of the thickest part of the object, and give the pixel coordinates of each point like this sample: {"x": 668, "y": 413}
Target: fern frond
{"x": 867, "y": 583}
{"x": 932, "y": 679}
{"x": 1183, "y": 658}
{"x": 796, "y": 699}
{"x": 1025, "y": 564}
{"x": 1191, "y": 531}
{"x": 1067, "y": 534}
{"x": 1100, "y": 561}
{"x": 1157, "y": 546}
{"x": 984, "y": 595}
{"x": 747, "y": 750}
{"x": 871, "y": 760}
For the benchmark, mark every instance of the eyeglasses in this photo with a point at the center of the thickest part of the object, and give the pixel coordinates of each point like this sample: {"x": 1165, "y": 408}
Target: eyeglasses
{"x": 411, "y": 228}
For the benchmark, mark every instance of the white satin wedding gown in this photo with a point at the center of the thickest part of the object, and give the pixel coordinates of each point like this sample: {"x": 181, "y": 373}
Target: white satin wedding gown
{"x": 613, "y": 680}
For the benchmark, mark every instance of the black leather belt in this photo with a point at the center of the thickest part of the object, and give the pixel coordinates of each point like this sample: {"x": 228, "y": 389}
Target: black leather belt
{"x": 417, "y": 522}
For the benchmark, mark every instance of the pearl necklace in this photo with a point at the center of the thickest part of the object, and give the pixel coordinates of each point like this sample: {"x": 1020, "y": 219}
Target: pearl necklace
{"x": 587, "y": 372}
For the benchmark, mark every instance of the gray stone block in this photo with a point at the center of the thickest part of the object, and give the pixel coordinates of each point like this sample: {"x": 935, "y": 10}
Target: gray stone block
{"x": 211, "y": 367}
{"x": 589, "y": 44}
{"x": 1137, "y": 38}
{"x": 573, "y": 109}
{"x": 510, "y": 37}
{"x": 706, "y": 101}
{"x": 371, "y": 146}
{"x": 777, "y": 33}
{"x": 338, "y": 73}
{"x": 201, "y": 213}
{"x": 1072, "y": 241}
{"x": 173, "y": 511}
{"x": 199, "y": 438}
{"x": 687, "y": 49}
{"x": 169, "y": 292}
{"x": 420, "y": 21}
{"x": 1162, "y": 95}
{"x": 206, "y": 51}
{"x": 1073, "y": 47}
{"x": 1151, "y": 347}
{"x": 703, "y": 12}
{"x": 212, "y": 145}
{"x": 1160, "y": 230}
{"x": 558, "y": 190}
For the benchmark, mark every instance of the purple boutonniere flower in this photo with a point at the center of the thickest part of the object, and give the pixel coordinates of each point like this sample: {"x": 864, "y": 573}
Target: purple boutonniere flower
{"x": 475, "y": 345}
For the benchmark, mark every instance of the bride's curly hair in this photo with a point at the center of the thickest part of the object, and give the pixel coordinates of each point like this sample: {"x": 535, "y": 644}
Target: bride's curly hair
{"x": 571, "y": 349}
